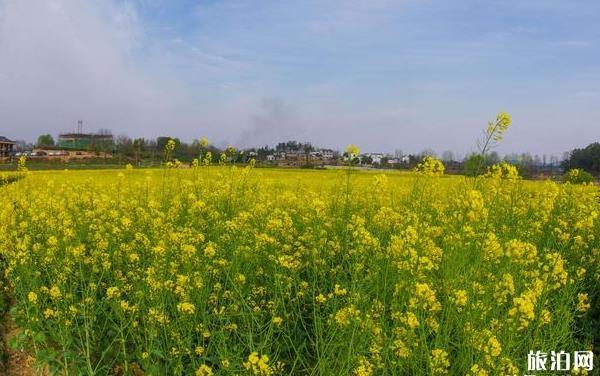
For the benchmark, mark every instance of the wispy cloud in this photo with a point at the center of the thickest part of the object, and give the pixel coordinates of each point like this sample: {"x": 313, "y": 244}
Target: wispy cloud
{"x": 384, "y": 73}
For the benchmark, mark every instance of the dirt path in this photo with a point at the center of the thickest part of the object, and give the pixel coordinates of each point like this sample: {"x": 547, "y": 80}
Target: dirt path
{"x": 15, "y": 362}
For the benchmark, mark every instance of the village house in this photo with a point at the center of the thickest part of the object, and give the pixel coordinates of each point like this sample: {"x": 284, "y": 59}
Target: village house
{"x": 327, "y": 153}
{"x": 375, "y": 157}
{"x": 85, "y": 141}
{"x": 7, "y": 147}
{"x": 51, "y": 153}
{"x": 322, "y": 154}
{"x": 294, "y": 155}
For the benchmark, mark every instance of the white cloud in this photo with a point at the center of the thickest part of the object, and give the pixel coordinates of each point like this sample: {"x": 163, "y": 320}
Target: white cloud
{"x": 64, "y": 60}
{"x": 380, "y": 73}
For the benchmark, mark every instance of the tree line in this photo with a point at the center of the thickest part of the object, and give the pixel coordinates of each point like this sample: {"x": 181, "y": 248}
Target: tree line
{"x": 587, "y": 159}
{"x": 143, "y": 149}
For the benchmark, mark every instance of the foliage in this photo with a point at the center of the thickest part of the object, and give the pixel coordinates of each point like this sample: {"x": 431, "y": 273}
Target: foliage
{"x": 577, "y": 176}
{"x": 587, "y": 159}
{"x": 473, "y": 164}
{"x": 294, "y": 146}
{"x": 45, "y": 140}
{"x": 163, "y": 143}
{"x": 7, "y": 178}
{"x": 222, "y": 270}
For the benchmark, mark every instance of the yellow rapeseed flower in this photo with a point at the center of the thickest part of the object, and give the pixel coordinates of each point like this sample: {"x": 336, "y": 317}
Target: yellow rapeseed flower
{"x": 186, "y": 307}
{"x": 55, "y": 292}
{"x": 32, "y": 297}
{"x": 113, "y": 292}
{"x": 204, "y": 370}
{"x": 583, "y": 302}
{"x": 439, "y": 362}
{"x": 258, "y": 364}
{"x": 352, "y": 150}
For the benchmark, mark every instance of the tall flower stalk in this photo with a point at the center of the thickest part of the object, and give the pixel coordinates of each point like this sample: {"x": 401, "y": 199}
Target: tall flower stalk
{"x": 492, "y": 136}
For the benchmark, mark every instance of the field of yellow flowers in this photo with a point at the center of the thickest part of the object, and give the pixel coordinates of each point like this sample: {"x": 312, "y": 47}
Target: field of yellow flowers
{"x": 246, "y": 271}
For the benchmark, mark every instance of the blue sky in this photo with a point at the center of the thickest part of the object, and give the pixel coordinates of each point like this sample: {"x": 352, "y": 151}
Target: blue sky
{"x": 384, "y": 74}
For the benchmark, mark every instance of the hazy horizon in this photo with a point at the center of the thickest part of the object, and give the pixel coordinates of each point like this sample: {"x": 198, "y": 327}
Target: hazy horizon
{"x": 381, "y": 74}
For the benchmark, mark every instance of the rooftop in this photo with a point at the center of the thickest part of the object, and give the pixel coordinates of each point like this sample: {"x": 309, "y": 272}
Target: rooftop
{"x": 84, "y": 135}
{"x": 6, "y": 140}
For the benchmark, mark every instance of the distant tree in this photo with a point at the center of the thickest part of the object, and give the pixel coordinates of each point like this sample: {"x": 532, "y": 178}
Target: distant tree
{"x": 526, "y": 159}
{"x": 578, "y": 176}
{"x": 587, "y": 159}
{"x": 413, "y": 159}
{"x": 307, "y": 148}
{"x": 366, "y": 160}
{"x": 263, "y": 152}
{"x": 287, "y": 146}
{"x": 139, "y": 146}
{"x": 448, "y": 156}
{"x": 161, "y": 142}
{"x": 23, "y": 145}
{"x": 45, "y": 140}
{"x": 525, "y": 163}
{"x": 492, "y": 158}
{"x": 512, "y": 157}
{"x": 428, "y": 152}
{"x": 294, "y": 146}
{"x": 123, "y": 145}
{"x": 473, "y": 164}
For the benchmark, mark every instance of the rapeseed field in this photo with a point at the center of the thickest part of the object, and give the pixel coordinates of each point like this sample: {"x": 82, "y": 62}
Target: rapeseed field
{"x": 224, "y": 270}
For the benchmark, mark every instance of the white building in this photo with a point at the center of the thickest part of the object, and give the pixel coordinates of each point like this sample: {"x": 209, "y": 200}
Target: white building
{"x": 327, "y": 153}
{"x": 375, "y": 157}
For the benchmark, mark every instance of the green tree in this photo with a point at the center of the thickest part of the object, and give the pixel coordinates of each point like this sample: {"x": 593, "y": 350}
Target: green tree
{"x": 474, "y": 164}
{"x": 587, "y": 159}
{"x": 45, "y": 140}
{"x": 578, "y": 176}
